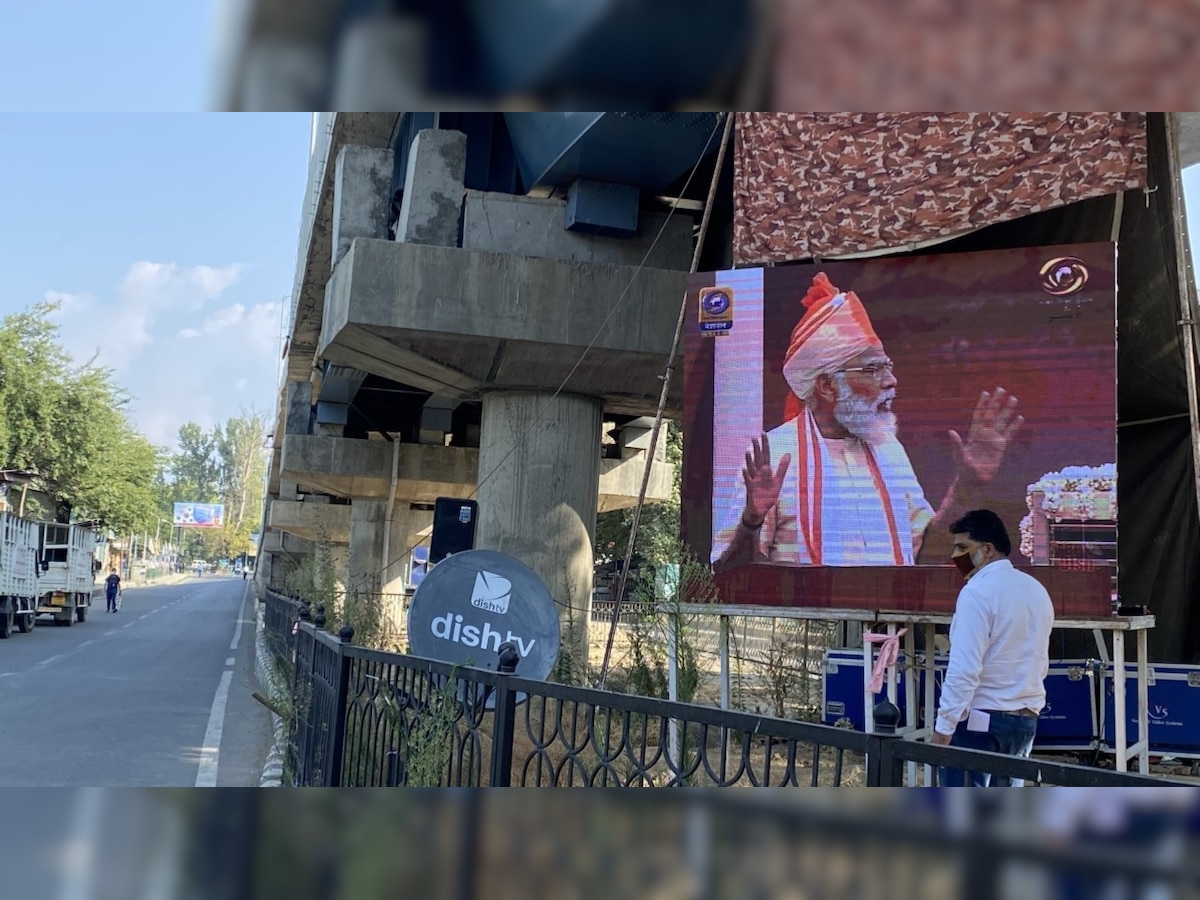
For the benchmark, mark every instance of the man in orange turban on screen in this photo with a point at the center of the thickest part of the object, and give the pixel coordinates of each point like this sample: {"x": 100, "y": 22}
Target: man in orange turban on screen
{"x": 832, "y": 486}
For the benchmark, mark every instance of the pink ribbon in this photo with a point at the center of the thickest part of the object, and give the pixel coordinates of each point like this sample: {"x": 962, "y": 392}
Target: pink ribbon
{"x": 889, "y": 651}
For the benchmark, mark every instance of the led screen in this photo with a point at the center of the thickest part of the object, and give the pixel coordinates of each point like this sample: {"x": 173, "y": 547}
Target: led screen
{"x": 838, "y": 416}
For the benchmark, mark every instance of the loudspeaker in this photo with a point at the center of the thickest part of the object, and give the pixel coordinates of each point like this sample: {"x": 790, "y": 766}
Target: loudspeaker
{"x": 453, "y": 527}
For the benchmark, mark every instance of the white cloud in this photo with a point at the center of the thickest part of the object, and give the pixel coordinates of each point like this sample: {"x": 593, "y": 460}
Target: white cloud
{"x": 172, "y": 285}
{"x": 147, "y": 304}
{"x": 181, "y": 357}
{"x": 205, "y": 374}
{"x": 221, "y": 320}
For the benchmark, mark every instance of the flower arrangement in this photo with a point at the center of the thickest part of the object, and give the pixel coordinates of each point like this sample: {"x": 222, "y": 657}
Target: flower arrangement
{"x": 1026, "y": 528}
{"x": 1075, "y": 492}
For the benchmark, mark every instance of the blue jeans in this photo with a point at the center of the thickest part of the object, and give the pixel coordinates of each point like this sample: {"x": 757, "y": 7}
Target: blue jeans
{"x": 1007, "y": 733}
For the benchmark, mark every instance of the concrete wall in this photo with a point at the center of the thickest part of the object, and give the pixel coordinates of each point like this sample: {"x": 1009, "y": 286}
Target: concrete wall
{"x": 347, "y": 467}
{"x": 462, "y": 322}
{"x": 529, "y": 226}
{"x": 322, "y": 522}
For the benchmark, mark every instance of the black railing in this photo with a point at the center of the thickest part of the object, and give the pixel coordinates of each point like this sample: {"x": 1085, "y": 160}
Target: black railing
{"x": 280, "y": 613}
{"x": 369, "y": 718}
{"x": 1032, "y": 771}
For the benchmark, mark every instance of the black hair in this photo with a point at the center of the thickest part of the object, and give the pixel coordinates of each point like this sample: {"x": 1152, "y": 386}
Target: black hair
{"x": 984, "y": 526}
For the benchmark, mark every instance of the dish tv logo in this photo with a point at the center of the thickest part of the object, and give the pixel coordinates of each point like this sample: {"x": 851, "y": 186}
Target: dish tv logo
{"x": 492, "y": 593}
{"x": 451, "y": 628}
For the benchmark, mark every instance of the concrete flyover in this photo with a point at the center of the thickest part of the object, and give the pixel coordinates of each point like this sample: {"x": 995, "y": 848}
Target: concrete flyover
{"x": 449, "y": 341}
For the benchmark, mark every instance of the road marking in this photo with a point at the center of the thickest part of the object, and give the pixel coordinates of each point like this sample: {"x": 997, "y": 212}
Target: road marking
{"x": 210, "y": 752}
{"x": 80, "y": 856}
{"x": 237, "y": 633}
{"x": 230, "y": 661}
{"x": 49, "y": 661}
{"x": 85, "y": 643}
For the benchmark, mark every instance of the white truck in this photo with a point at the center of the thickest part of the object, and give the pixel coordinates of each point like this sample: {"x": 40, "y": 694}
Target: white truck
{"x": 19, "y": 594}
{"x": 67, "y": 576}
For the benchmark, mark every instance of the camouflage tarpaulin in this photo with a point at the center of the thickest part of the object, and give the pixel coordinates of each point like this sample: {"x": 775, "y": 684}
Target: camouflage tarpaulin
{"x": 827, "y": 184}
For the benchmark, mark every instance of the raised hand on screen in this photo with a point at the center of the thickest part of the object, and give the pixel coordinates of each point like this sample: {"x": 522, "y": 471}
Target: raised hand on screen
{"x": 763, "y": 481}
{"x": 992, "y": 428}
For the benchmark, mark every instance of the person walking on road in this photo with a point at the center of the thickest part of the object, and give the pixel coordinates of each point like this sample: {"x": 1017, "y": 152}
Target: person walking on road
{"x": 112, "y": 589}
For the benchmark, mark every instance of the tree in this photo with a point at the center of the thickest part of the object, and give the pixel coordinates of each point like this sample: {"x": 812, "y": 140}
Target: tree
{"x": 243, "y": 465}
{"x": 69, "y": 425}
{"x": 196, "y": 468}
{"x": 658, "y": 531}
{"x": 226, "y": 465}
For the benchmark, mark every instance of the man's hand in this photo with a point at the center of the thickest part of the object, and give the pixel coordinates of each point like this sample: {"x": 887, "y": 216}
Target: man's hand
{"x": 942, "y": 740}
{"x": 992, "y": 427}
{"x": 763, "y": 482}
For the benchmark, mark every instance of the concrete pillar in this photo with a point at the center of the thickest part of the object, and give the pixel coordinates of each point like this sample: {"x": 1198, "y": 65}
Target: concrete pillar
{"x": 433, "y": 189}
{"x": 539, "y": 471}
{"x": 362, "y": 196}
{"x": 339, "y": 559}
{"x": 298, "y": 418}
{"x": 262, "y": 572}
{"x": 368, "y": 524}
{"x": 366, "y": 545}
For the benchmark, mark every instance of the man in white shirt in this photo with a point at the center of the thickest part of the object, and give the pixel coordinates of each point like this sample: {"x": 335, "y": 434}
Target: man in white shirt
{"x": 999, "y": 650}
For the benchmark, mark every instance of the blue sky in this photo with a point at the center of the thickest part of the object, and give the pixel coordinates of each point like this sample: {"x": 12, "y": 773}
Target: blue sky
{"x": 129, "y": 56}
{"x": 170, "y": 241}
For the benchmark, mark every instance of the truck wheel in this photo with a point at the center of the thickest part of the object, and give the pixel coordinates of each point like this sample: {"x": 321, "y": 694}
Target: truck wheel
{"x": 81, "y": 614}
{"x": 69, "y": 620}
{"x": 26, "y": 622}
{"x": 6, "y": 623}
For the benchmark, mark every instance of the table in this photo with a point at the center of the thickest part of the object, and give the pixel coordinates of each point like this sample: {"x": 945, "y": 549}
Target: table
{"x": 911, "y": 728}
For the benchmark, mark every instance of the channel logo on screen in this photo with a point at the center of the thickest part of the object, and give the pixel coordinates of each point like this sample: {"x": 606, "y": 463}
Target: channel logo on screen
{"x": 716, "y": 310}
{"x": 1063, "y": 275}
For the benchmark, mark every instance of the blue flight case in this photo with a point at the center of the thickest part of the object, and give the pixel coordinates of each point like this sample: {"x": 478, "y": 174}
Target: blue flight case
{"x": 1069, "y": 720}
{"x": 1173, "y": 715}
{"x": 842, "y": 690}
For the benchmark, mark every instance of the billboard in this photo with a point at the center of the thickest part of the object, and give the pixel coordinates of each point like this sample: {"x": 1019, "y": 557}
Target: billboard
{"x": 199, "y": 515}
{"x": 840, "y": 415}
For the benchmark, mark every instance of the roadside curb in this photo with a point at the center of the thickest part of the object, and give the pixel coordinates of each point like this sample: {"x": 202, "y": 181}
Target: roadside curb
{"x": 272, "y": 774}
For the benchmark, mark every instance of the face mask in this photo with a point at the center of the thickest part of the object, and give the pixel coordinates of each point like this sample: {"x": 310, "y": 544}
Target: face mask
{"x": 969, "y": 562}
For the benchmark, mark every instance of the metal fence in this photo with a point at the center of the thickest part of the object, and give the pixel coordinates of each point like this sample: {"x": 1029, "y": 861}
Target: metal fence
{"x": 280, "y": 613}
{"x": 364, "y": 717}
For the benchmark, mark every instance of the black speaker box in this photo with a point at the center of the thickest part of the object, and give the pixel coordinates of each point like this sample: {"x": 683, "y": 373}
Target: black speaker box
{"x": 453, "y": 527}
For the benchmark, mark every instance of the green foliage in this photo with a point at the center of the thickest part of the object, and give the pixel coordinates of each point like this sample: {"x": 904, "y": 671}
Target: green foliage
{"x": 69, "y": 424}
{"x": 195, "y": 468}
{"x": 314, "y": 580}
{"x": 426, "y": 744}
{"x": 243, "y": 465}
{"x": 224, "y": 465}
{"x": 658, "y": 530}
{"x": 672, "y": 601}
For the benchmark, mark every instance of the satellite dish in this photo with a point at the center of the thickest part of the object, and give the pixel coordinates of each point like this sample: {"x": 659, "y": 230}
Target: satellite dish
{"x": 472, "y": 602}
